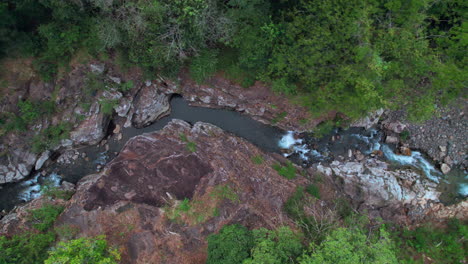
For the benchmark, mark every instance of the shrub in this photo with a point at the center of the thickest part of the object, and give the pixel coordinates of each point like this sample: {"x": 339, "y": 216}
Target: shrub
{"x": 348, "y": 245}
{"x": 443, "y": 245}
{"x": 313, "y": 190}
{"x": 44, "y": 217}
{"x": 275, "y": 246}
{"x": 204, "y": 65}
{"x": 25, "y": 248}
{"x": 83, "y": 250}
{"x": 50, "y": 137}
{"x": 230, "y": 246}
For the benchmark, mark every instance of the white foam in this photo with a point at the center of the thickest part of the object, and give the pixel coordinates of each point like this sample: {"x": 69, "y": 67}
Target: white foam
{"x": 415, "y": 160}
{"x": 288, "y": 140}
{"x": 32, "y": 188}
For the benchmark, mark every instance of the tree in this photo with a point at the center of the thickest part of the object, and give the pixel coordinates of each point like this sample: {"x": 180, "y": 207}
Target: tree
{"x": 348, "y": 245}
{"x": 83, "y": 250}
{"x": 230, "y": 246}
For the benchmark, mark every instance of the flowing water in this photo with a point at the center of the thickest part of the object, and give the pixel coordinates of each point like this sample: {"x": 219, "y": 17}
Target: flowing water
{"x": 304, "y": 149}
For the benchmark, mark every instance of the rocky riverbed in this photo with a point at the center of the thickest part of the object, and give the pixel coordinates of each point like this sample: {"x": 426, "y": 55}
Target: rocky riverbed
{"x": 144, "y": 181}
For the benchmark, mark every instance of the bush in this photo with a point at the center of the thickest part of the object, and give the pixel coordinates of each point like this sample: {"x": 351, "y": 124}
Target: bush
{"x": 230, "y": 246}
{"x": 44, "y": 217}
{"x": 275, "y": 246}
{"x": 204, "y": 65}
{"x": 443, "y": 245}
{"x": 50, "y": 137}
{"x": 348, "y": 245}
{"x": 25, "y": 248}
{"x": 83, "y": 250}
{"x": 313, "y": 190}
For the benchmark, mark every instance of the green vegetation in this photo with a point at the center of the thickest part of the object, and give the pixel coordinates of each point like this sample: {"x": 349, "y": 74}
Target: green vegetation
{"x": 201, "y": 209}
{"x": 258, "y": 159}
{"x": 279, "y": 117}
{"x": 32, "y": 246}
{"x": 25, "y": 248}
{"x": 442, "y": 245}
{"x": 349, "y": 56}
{"x": 107, "y": 106}
{"x": 43, "y": 218}
{"x": 50, "y": 137}
{"x": 288, "y": 171}
{"x": 313, "y": 190}
{"x": 230, "y": 246}
{"x": 190, "y": 145}
{"x": 83, "y": 250}
{"x": 349, "y": 245}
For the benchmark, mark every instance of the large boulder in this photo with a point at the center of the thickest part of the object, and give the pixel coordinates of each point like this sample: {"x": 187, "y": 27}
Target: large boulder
{"x": 149, "y": 105}
{"x": 93, "y": 129}
{"x": 132, "y": 201}
{"x": 16, "y": 164}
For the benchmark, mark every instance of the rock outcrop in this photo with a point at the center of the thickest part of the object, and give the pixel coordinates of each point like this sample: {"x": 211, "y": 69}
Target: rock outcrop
{"x": 150, "y": 104}
{"x": 374, "y": 187}
{"x": 15, "y": 164}
{"x": 92, "y": 130}
{"x": 134, "y": 199}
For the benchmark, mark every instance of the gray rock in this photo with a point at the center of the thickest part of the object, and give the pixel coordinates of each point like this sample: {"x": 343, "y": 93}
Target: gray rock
{"x": 97, "y": 68}
{"x": 123, "y": 107}
{"x": 16, "y": 165}
{"x": 370, "y": 120}
{"x": 373, "y": 183}
{"x": 149, "y": 106}
{"x": 395, "y": 126}
{"x": 92, "y": 130}
{"x": 391, "y": 140}
{"x": 117, "y": 80}
{"x": 443, "y": 148}
{"x": 42, "y": 159}
{"x": 445, "y": 168}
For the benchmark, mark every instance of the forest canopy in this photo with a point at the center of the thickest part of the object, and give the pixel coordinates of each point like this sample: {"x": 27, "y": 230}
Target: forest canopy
{"x": 351, "y": 56}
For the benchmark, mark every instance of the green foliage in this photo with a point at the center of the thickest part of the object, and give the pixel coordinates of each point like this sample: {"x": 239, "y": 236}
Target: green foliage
{"x": 67, "y": 232}
{"x": 107, "y": 106}
{"x": 288, "y": 171}
{"x": 55, "y": 193}
{"x": 405, "y": 135}
{"x": 313, "y": 190}
{"x": 50, "y": 137}
{"x": 25, "y": 248}
{"x": 324, "y": 128}
{"x": 126, "y": 86}
{"x": 83, "y": 250}
{"x": 191, "y": 146}
{"x": 279, "y": 117}
{"x": 225, "y": 192}
{"x": 43, "y": 218}
{"x": 230, "y": 246}
{"x": 443, "y": 245}
{"x": 348, "y": 245}
{"x": 29, "y": 112}
{"x": 204, "y": 65}
{"x": 275, "y": 246}
{"x": 257, "y": 159}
